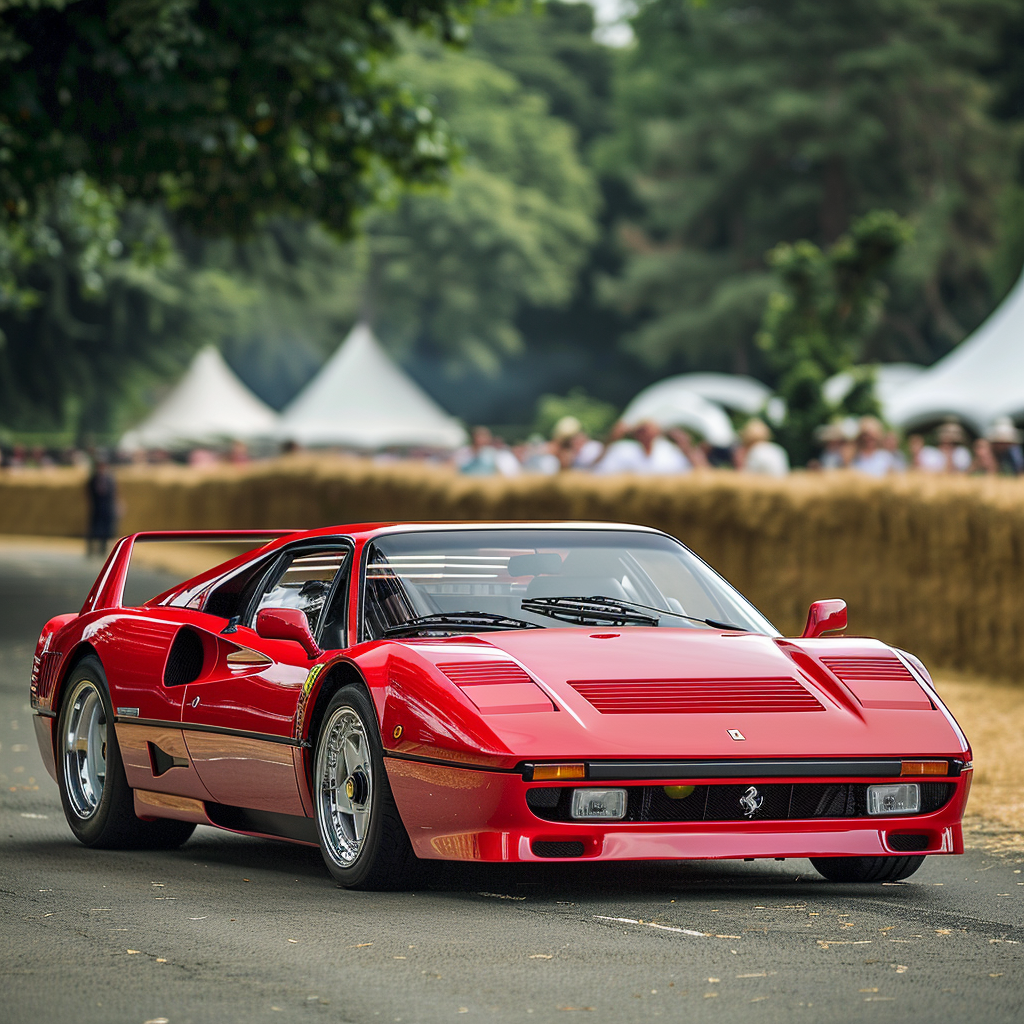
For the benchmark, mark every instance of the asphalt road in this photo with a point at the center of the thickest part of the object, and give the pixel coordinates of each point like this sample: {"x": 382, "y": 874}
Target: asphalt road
{"x": 235, "y": 929}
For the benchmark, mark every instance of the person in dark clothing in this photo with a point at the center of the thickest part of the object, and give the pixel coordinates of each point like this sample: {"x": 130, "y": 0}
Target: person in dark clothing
{"x": 101, "y": 492}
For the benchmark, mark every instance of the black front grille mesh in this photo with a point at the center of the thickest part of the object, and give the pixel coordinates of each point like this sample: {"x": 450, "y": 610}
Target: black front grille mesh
{"x": 725, "y": 802}
{"x": 907, "y": 844}
{"x": 546, "y": 848}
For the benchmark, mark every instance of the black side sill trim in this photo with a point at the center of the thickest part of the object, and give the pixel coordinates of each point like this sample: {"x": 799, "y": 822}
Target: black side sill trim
{"x": 267, "y": 823}
{"x": 742, "y": 769}
{"x": 46, "y": 714}
{"x": 396, "y": 755}
{"x": 288, "y": 741}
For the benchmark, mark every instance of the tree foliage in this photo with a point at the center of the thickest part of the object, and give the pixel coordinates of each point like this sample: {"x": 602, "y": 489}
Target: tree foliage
{"x": 224, "y": 111}
{"x": 129, "y": 126}
{"x": 815, "y": 327}
{"x": 448, "y": 271}
{"x": 742, "y": 126}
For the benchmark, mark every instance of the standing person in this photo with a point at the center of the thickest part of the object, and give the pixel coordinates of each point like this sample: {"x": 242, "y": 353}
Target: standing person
{"x": 101, "y": 493}
{"x": 1004, "y": 438}
{"x": 955, "y": 453}
{"x": 872, "y": 458}
{"x": 759, "y": 453}
{"x": 646, "y": 450}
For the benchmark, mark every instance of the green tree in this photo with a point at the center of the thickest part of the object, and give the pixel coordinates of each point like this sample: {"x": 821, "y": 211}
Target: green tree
{"x": 129, "y": 126}
{"x": 225, "y": 111}
{"x": 817, "y": 325}
{"x": 448, "y": 271}
{"x": 740, "y": 127}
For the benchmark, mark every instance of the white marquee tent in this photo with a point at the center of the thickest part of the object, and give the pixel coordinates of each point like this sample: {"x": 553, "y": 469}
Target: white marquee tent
{"x": 982, "y": 378}
{"x": 208, "y": 405}
{"x": 891, "y": 379}
{"x": 696, "y": 401}
{"x": 360, "y": 399}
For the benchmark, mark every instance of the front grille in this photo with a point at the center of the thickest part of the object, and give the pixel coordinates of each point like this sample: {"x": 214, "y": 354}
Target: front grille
{"x": 907, "y": 844}
{"x": 695, "y": 696}
{"x": 722, "y": 802}
{"x": 542, "y": 848}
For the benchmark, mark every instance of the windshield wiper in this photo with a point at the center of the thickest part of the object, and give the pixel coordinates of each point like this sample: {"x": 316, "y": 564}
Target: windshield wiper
{"x": 481, "y": 622}
{"x": 611, "y": 609}
{"x": 589, "y": 611}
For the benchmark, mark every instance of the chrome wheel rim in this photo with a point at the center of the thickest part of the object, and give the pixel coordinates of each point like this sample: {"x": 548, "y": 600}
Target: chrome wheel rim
{"x": 85, "y": 748}
{"x": 344, "y": 786}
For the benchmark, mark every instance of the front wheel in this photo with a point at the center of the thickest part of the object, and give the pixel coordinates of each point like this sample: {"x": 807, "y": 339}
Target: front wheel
{"x": 362, "y": 838}
{"x": 866, "y": 869}
{"x": 98, "y": 802}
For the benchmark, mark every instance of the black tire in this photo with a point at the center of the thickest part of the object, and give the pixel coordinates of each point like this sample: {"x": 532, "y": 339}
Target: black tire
{"x": 866, "y": 869}
{"x": 98, "y": 802}
{"x": 377, "y": 855}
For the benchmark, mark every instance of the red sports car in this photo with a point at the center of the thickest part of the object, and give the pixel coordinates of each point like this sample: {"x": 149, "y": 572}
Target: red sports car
{"x": 490, "y": 692}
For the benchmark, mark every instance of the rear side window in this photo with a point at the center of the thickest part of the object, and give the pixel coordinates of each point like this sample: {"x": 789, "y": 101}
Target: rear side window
{"x": 231, "y": 597}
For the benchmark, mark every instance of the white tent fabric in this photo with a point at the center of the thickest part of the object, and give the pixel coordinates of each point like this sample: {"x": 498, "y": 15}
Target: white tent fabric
{"x": 679, "y": 407}
{"x": 890, "y": 380}
{"x": 360, "y": 399}
{"x": 208, "y": 405}
{"x": 982, "y": 378}
{"x": 732, "y": 391}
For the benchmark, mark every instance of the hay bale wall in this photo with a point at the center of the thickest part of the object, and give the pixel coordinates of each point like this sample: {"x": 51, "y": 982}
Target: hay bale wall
{"x": 930, "y": 564}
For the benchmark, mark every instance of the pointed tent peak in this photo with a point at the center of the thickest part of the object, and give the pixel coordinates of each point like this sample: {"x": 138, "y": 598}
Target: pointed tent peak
{"x": 362, "y": 399}
{"x": 208, "y": 405}
{"x": 980, "y": 380}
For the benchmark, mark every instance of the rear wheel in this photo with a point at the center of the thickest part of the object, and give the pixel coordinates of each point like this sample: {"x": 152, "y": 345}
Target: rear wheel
{"x": 362, "y": 838}
{"x": 866, "y": 869}
{"x": 97, "y": 800}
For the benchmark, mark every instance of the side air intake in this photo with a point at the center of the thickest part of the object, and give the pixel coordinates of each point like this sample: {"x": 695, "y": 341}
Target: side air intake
{"x": 185, "y": 660}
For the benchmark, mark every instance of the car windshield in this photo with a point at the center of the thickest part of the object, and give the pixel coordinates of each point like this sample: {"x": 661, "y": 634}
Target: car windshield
{"x": 435, "y": 582}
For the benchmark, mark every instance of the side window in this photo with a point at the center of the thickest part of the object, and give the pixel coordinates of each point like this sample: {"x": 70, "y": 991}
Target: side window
{"x": 232, "y": 595}
{"x": 304, "y": 582}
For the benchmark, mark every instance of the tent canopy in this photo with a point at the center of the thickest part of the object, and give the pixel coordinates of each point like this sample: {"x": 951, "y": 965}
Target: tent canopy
{"x": 890, "y": 380}
{"x": 696, "y": 401}
{"x": 982, "y": 378}
{"x": 360, "y": 399}
{"x": 682, "y": 408}
{"x": 208, "y": 405}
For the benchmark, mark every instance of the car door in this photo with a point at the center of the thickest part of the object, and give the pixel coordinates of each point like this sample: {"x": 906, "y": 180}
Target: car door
{"x": 239, "y": 721}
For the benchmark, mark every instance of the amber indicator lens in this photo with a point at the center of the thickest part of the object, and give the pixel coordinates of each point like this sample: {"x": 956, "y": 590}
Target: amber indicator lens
{"x": 544, "y": 772}
{"x": 925, "y": 768}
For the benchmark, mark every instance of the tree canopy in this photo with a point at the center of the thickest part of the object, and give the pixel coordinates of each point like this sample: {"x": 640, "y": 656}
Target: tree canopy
{"x": 741, "y": 127}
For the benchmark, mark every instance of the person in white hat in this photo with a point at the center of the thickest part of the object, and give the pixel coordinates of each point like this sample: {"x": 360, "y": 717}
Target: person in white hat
{"x": 1005, "y": 439}
{"x": 759, "y": 453}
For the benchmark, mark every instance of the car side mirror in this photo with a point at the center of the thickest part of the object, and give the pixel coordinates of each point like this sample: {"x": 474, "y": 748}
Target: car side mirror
{"x": 287, "y": 624}
{"x": 825, "y": 617}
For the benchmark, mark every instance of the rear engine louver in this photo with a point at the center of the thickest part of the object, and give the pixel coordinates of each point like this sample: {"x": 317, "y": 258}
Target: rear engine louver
{"x": 695, "y": 696}
{"x": 497, "y": 687}
{"x": 882, "y": 682}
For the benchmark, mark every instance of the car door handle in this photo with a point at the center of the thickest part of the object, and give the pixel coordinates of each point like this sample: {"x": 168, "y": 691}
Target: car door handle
{"x": 195, "y": 703}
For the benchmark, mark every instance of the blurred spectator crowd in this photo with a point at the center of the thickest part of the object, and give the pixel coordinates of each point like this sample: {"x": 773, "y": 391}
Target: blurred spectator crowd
{"x": 862, "y": 446}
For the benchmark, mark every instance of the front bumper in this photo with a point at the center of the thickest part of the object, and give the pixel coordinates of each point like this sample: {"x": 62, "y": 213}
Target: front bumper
{"x": 454, "y": 813}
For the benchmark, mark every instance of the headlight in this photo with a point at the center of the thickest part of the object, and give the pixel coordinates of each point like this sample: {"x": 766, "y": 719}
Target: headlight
{"x": 900, "y": 799}
{"x": 599, "y": 803}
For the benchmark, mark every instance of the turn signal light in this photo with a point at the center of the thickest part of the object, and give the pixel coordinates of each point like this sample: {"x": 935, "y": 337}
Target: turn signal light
{"x": 925, "y": 768}
{"x": 548, "y": 772}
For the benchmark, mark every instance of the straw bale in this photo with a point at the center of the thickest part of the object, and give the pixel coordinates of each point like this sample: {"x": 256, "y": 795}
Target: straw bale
{"x": 933, "y": 564}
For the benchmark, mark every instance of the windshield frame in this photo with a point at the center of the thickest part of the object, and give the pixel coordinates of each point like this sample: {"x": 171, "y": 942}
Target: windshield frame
{"x": 581, "y": 528}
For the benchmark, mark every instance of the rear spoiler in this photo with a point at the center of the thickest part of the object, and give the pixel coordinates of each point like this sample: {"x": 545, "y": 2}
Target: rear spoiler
{"x": 108, "y": 590}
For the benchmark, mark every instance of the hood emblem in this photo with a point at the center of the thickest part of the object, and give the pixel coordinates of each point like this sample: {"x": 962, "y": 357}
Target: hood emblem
{"x": 751, "y": 802}
{"x": 736, "y": 734}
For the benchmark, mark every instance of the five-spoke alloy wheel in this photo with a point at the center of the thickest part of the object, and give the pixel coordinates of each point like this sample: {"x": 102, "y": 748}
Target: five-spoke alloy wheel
{"x": 363, "y": 841}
